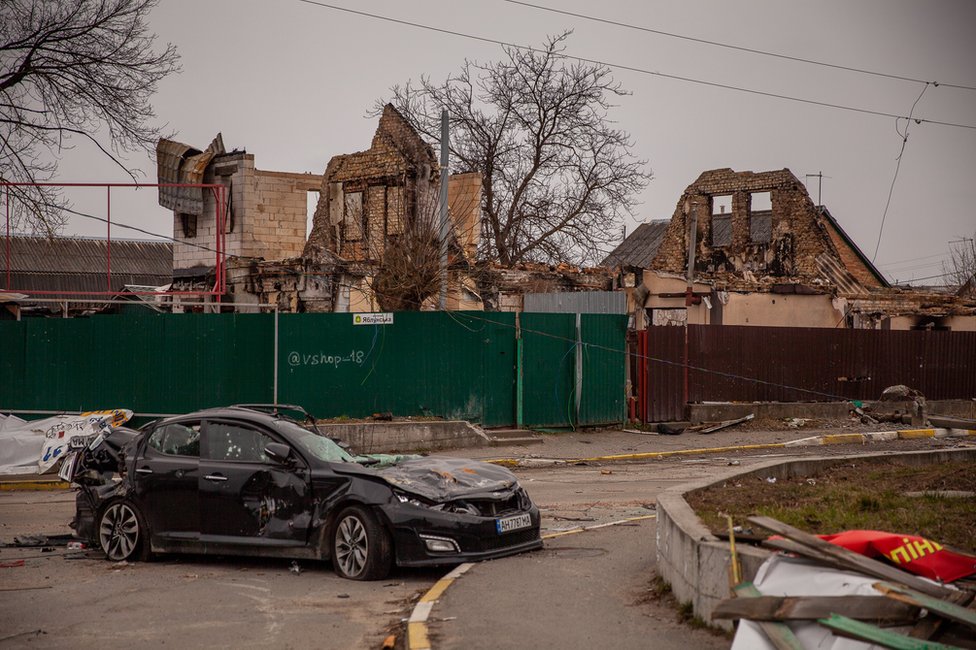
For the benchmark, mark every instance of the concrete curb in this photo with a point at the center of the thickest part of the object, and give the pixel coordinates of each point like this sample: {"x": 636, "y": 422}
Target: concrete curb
{"x": 696, "y": 563}
{"x": 417, "y": 636}
{"x": 813, "y": 441}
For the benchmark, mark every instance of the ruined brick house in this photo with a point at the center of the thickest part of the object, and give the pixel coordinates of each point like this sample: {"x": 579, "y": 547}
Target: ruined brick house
{"x": 764, "y": 254}
{"x": 367, "y": 203}
{"x": 263, "y": 218}
{"x": 386, "y": 197}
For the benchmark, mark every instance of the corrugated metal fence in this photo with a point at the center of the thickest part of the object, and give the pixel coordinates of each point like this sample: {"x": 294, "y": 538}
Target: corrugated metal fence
{"x": 451, "y": 364}
{"x": 786, "y": 364}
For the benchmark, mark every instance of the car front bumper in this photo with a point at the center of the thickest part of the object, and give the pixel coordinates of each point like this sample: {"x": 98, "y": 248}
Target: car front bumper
{"x": 476, "y": 538}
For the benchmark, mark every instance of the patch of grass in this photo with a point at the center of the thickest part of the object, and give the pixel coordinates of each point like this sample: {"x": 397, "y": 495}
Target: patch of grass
{"x": 862, "y": 495}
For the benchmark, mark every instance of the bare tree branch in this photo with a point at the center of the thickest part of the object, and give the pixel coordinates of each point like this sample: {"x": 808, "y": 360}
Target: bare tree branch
{"x": 960, "y": 268}
{"x": 73, "y": 68}
{"x": 558, "y": 176}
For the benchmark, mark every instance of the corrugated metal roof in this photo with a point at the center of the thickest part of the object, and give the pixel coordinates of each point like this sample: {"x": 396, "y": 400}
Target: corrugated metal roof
{"x": 180, "y": 163}
{"x": 576, "y": 302}
{"x": 37, "y": 256}
{"x": 640, "y": 247}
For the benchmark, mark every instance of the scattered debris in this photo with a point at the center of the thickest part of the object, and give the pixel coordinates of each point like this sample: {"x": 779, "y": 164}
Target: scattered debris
{"x": 389, "y": 642}
{"x": 943, "y": 494}
{"x": 11, "y": 564}
{"x": 295, "y": 568}
{"x": 606, "y": 471}
{"x": 796, "y": 423}
{"x": 342, "y": 595}
{"x": 734, "y": 462}
{"x": 712, "y": 427}
{"x": 829, "y": 577}
{"x": 670, "y": 429}
{"x": 770, "y": 479}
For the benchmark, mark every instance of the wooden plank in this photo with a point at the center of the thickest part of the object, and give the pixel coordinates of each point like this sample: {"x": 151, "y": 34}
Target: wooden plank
{"x": 779, "y": 634}
{"x": 850, "y": 559}
{"x": 789, "y": 546}
{"x": 861, "y": 631}
{"x": 807, "y": 608}
{"x": 943, "y": 608}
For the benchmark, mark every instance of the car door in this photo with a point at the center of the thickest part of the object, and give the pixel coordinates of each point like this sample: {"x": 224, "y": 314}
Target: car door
{"x": 245, "y": 496}
{"x": 166, "y": 481}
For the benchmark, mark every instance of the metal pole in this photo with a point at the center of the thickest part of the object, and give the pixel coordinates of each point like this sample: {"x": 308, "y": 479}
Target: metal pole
{"x": 108, "y": 237}
{"x": 276, "y": 356}
{"x": 445, "y": 135}
{"x": 579, "y": 366}
{"x": 8, "y": 237}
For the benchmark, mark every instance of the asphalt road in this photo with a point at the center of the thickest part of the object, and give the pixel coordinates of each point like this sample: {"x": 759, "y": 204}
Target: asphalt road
{"x": 583, "y": 590}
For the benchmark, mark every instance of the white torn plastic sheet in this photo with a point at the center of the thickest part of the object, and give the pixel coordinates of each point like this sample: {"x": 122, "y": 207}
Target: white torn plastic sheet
{"x": 33, "y": 447}
{"x": 784, "y": 576}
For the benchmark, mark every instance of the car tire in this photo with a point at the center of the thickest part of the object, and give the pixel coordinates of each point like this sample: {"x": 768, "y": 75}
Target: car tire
{"x": 122, "y": 532}
{"x": 360, "y": 547}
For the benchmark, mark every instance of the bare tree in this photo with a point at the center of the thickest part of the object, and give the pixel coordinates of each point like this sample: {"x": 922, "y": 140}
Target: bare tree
{"x": 558, "y": 175}
{"x": 960, "y": 268}
{"x": 72, "y": 69}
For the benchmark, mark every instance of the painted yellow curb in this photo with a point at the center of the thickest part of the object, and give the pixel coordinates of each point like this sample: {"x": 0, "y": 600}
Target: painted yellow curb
{"x": 908, "y": 434}
{"x": 14, "y": 486}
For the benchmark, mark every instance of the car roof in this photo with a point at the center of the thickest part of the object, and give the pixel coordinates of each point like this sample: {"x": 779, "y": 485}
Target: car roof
{"x": 235, "y": 411}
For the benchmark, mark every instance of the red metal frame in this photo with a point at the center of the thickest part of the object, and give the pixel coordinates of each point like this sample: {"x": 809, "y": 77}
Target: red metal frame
{"x": 219, "y": 193}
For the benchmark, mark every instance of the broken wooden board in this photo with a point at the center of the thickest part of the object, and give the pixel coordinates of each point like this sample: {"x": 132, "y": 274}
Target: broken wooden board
{"x": 944, "y": 608}
{"x": 712, "y": 427}
{"x": 799, "y": 608}
{"x": 779, "y": 634}
{"x": 850, "y": 559}
{"x": 848, "y": 627}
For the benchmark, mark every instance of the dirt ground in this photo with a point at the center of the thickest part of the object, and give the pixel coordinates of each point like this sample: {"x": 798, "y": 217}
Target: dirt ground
{"x": 937, "y": 502}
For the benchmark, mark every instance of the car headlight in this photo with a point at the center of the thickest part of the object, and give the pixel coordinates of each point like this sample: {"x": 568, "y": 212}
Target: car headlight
{"x": 413, "y": 500}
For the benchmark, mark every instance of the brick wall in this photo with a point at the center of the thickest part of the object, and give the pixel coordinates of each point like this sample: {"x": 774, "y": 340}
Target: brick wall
{"x": 798, "y": 236}
{"x": 266, "y": 217}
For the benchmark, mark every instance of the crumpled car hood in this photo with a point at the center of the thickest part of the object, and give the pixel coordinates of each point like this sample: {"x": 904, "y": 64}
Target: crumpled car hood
{"x": 446, "y": 479}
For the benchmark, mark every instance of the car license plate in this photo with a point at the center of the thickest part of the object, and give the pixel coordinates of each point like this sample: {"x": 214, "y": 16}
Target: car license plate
{"x": 508, "y": 524}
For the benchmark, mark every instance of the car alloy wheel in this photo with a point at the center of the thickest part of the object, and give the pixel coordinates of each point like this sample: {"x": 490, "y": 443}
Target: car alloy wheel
{"x": 361, "y": 548}
{"x": 352, "y": 546}
{"x": 120, "y": 531}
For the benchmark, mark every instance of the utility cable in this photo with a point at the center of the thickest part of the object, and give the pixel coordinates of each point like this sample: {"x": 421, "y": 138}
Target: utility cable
{"x": 891, "y": 189}
{"x": 618, "y": 66}
{"x": 734, "y": 47}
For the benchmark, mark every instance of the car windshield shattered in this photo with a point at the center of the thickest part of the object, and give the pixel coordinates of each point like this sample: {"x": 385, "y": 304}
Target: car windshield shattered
{"x": 317, "y": 445}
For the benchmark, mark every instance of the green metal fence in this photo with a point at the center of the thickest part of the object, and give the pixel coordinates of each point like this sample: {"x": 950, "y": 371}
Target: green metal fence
{"x": 462, "y": 365}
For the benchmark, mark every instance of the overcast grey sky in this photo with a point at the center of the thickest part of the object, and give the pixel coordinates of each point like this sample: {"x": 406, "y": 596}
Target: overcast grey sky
{"x": 292, "y": 82}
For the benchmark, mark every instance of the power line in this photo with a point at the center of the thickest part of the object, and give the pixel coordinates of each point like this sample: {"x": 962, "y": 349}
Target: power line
{"x": 645, "y": 71}
{"x": 734, "y": 47}
{"x": 891, "y": 189}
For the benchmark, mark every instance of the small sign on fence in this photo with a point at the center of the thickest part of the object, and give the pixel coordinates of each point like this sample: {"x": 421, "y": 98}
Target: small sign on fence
{"x": 373, "y": 319}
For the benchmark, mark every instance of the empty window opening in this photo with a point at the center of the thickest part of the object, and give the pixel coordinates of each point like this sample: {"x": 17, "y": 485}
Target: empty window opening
{"x": 760, "y": 202}
{"x": 761, "y": 228}
{"x": 722, "y": 204}
{"x": 189, "y": 224}
{"x": 722, "y": 230}
{"x": 353, "y": 218}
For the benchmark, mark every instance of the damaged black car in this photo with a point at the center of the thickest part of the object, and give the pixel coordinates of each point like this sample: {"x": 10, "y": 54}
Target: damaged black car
{"x": 248, "y": 481}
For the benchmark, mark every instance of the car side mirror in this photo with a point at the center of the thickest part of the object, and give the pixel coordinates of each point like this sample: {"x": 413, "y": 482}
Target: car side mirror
{"x": 278, "y": 452}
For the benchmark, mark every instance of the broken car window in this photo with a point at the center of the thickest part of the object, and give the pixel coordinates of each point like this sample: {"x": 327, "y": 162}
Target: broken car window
{"x": 177, "y": 439}
{"x": 315, "y": 445}
{"x": 236, "y": 442}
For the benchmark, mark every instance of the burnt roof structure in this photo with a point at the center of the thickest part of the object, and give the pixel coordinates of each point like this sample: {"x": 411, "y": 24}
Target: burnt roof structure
{"x": 640, "y": 247}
